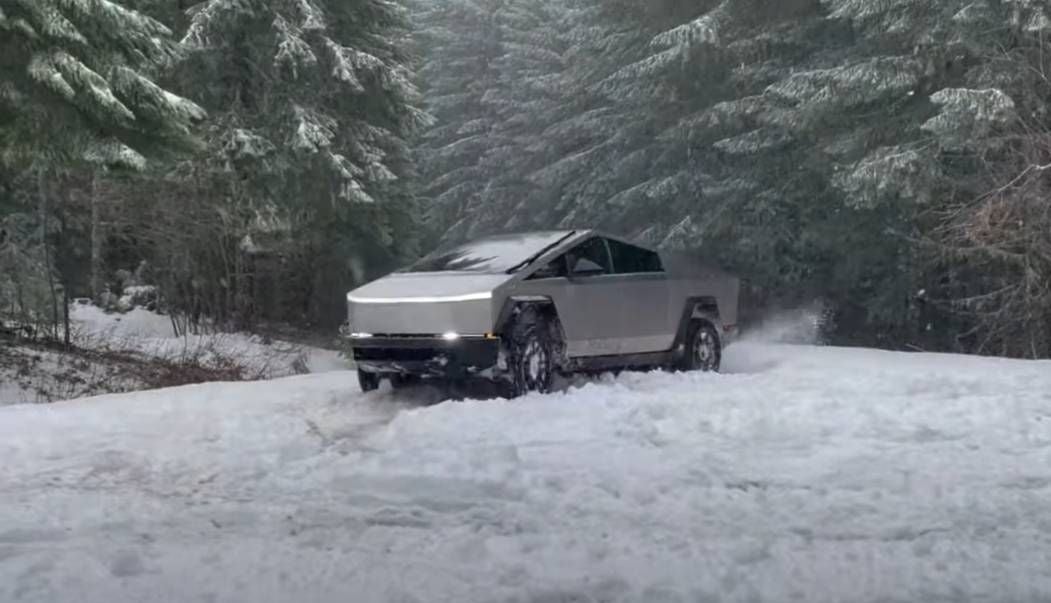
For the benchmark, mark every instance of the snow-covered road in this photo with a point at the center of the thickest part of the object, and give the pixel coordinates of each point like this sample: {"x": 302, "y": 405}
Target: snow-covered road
{"x": 804, "y": 474}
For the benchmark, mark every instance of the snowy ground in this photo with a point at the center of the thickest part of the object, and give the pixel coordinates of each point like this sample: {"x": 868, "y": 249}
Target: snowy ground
{"x": 30, "y": 374}
{"x": 807, "y": 474}
{"x": 152, "y": 334}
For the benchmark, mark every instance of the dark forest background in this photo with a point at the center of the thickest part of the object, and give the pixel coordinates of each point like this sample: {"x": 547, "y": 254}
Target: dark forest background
{"x": 252, "y": 160}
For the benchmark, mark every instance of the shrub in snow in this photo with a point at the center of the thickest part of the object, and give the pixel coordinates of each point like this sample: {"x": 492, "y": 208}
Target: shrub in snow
{"x": 138, "y": 296}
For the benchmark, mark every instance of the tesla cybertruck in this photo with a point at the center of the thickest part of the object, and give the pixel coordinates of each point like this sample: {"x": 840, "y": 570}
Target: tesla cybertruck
{"x": 518, "y": 309}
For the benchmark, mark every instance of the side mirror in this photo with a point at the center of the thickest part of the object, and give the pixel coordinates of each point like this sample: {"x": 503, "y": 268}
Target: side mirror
{"x": 585, "y": 267}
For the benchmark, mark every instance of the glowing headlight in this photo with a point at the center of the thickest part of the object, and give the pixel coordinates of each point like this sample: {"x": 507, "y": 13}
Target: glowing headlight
{"x": 421, "y": 300}
{"x": 361, "y": 335}
{"x": 450, "y": 336}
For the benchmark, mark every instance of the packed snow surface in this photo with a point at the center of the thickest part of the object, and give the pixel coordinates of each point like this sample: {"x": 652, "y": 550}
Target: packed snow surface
{"x": 800, "y": 474}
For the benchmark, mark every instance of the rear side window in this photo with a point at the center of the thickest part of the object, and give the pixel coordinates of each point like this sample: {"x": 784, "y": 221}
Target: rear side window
{"x": 629, "y": 259}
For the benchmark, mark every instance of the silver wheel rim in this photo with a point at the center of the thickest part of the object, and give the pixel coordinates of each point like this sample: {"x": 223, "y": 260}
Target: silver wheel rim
{"x": 704, "y": 351}
{"x": 534, "y": 364}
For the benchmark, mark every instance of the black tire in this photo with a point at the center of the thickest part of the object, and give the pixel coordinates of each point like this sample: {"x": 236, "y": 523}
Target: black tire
{"x": 533, "y": 345}
{"x": 369, "y": 382}
{"x": 704, "y": 349}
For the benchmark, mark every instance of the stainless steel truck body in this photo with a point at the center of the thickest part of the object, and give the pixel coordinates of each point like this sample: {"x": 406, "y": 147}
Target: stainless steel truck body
{"x": 522, "y": 307}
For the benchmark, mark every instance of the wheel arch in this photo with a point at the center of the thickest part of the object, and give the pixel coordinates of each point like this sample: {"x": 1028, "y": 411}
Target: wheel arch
{"x": 706, "y": 308}
{"x": 515, "y": 304}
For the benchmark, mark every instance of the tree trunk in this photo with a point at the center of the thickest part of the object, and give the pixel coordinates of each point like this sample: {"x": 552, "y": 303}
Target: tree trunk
{"x": 96, "y": 242}
{"x": 42, "y": 190}
{"x": 65, "y": 317}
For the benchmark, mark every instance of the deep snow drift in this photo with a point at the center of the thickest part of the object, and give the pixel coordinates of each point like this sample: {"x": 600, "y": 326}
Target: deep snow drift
{"x": 809, "y": 474}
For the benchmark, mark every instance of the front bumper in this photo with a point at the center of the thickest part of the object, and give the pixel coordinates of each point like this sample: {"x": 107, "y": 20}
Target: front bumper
{"x": 426, "y": 356}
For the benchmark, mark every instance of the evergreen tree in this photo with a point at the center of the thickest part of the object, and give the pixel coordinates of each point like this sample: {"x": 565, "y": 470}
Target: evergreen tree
{"x": 77, "y": 87}
{"x": 803, "y": 143}
{"x": 461, "y": 42}
{"x": 325, "y": 86}
{"x": 76, "y": 82}
{"x": 309, "y": 161}
{"x": 531, "y": 96}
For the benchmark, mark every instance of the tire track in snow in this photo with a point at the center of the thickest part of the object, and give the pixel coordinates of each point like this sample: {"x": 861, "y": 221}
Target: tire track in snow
{"x": 347, "y": 423}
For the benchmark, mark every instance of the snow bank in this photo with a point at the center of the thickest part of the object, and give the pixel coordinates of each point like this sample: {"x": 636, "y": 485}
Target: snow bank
{"x": 150, "y": 333}
{"x": 89, "y": 319}
{"x": 810, "y": 474}
{"x": 32, "y": 374}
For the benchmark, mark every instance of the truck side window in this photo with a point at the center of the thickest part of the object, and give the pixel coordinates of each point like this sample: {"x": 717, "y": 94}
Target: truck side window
{"x": 629, "y": 259}
{"x": 593, "y": 250}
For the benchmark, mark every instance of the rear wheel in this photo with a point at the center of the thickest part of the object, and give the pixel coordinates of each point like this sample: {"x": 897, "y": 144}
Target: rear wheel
{"x": 704, "y": 350}
{"x": 369, "y": 382}
{"x": 532, "y": 349}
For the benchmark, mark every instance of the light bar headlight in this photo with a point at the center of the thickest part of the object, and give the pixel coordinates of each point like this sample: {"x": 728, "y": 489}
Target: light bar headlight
{"x": 484, "y": 295}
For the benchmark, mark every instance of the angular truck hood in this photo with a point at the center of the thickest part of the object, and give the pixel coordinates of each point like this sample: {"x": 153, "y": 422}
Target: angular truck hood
{"x": 438, "y": 287}
{"x": 425, "y": 304}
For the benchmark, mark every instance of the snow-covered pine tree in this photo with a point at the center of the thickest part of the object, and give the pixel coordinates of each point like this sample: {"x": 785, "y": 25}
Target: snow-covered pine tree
{"x": 312, "y": 82}
{"x": 803, "y": 143}
{"x": 992, "y": 135}
{"x": 747, "y": 188}
{"x": 822, "y": 143}
{"x": 532, "y": 144}
{"x": 649, "y": 81}
{"x": 929, "y": 98}
{"x": 78, "y": 88}
{"x": 77, "y": 82}
{"x": 314, "y": 110}
{"x": 544, "y": 114}
{"x": 460, "y": 42}
{"x": 601, "y": 136}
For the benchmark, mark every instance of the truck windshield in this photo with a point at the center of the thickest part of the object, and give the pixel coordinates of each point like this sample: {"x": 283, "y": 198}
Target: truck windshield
{"x": 491, "y": 255}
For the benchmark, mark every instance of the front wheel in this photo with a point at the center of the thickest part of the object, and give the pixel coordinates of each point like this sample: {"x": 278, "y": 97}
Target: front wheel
{"x": 369, "y": 382}
{"x": 704, "y": 350}
{"x": 531, "y": 354}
